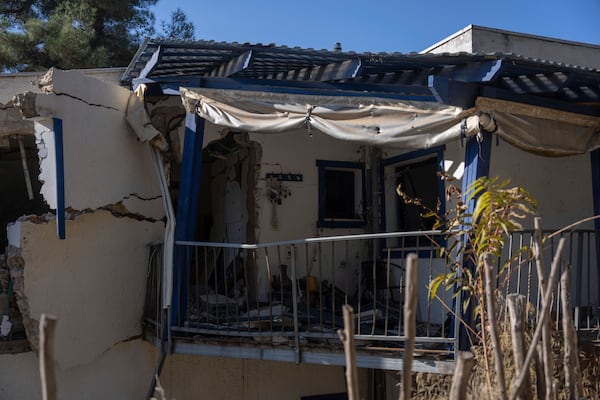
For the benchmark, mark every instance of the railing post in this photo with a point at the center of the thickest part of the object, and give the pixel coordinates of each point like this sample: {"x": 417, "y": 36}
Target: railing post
{"x": 295, "y": 302}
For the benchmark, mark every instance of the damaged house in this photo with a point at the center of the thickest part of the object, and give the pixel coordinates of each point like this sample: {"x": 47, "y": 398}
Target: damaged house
{"x": 207, "y": 217}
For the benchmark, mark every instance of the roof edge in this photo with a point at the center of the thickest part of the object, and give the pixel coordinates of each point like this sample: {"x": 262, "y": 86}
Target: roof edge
{"x": 472, "y": 27}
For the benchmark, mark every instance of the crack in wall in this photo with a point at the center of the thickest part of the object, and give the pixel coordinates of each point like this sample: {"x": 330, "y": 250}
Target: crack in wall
{"x": 120, "y": 211}
{"x": 87, "y": 103}
{"x": 137, "y": 196}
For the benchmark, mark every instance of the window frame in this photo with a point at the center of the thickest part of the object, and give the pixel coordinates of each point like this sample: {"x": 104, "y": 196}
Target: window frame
{"x": 357, "y": 167}
{"x": 404, "y": 159}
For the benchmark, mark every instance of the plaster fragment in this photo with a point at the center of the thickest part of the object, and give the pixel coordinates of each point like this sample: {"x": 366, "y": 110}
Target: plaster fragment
{"x": 25, "y": 103}
{"x": 13, "y": 231}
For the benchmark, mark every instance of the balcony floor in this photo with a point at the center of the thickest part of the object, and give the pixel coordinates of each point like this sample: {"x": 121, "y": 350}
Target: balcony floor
{"x": 374, "y": 355}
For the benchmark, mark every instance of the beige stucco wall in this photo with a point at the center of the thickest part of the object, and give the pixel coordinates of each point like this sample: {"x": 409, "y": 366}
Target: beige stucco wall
{"x": 562, "y": 186}
{"x": 20, "y": 377}
{"x": 21, "y": 82}
{"x": 93, "y": 282}
{"x": 100, "y": 149}
{"x": 124, "y": 372}
{"x": 296, "y": 152}
{"x": 191, "y": 377}
{"x": 297, "y": 216}
{"x": 121, "y": 373}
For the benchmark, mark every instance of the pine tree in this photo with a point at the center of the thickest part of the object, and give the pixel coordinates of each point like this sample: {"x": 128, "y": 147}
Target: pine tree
{"x": 38, "y": 34}
{"x": 178, "y": 27}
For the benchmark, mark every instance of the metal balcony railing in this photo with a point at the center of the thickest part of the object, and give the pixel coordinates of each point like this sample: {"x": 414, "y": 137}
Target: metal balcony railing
{"x": 292, "y": 293}
{"x": 580, "y": 254}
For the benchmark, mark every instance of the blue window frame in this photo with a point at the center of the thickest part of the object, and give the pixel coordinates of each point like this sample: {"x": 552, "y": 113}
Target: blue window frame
{"x": 417, "y": 173}
{"x": 341, "y": 194}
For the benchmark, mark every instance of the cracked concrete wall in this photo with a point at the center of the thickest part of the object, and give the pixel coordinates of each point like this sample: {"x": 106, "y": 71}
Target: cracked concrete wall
{"x": 94, "y": 282}
{"x": 21, "y": 82}
{"x": 11, "y": 121}
{"x": 100, "y": 149}
{"x": 120, "y": 373}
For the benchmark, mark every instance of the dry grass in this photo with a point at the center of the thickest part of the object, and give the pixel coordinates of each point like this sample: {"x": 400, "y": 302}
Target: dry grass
{"x": 437, "y": 387}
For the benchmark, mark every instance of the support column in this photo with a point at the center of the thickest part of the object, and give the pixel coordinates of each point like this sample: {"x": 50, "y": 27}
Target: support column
{"x": 187, "y": 211}
{"x": 477, "y": 164}
{"x": 595, "y": 160}
{"x": 59, "y": 160}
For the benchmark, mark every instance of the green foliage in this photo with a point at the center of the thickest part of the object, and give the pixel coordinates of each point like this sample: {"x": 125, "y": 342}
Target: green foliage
{"x": 37, "y": 34}
{"x": 499, "y": 210}
{"x": 178, "y": 27}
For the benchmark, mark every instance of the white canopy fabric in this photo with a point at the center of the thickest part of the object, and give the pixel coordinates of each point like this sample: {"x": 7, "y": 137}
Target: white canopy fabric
{"x": 403, "y": 124}
{"x": 375, "y": 121}
{"x": 542, "y": 130}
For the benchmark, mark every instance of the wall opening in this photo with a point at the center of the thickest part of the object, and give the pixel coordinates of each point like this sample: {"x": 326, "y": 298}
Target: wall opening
{"x": 227, "y": 208}
{"x": 15, "y": 203}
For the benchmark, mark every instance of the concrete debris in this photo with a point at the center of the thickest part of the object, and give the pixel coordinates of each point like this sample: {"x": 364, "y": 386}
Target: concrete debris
{"x": 45, "y": 82}
{"x": 16, "y": 265}
{"x": 25, "y": 103}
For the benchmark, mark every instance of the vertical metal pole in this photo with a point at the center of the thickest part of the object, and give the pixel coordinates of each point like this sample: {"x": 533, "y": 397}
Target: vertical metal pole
{"x": 60, "y": 177}
{"x": 295, "y": 302}
{"x": 595, "y": 161}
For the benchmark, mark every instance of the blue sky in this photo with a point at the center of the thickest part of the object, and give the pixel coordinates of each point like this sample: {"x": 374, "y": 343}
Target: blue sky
{"x": 386, "y": 25}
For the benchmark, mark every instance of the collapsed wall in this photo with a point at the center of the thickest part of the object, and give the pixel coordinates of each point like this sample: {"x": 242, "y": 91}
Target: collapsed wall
{"x": 94, "y": 280}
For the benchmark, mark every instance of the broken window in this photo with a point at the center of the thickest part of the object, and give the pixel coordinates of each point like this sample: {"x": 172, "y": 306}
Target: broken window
{"x": 417, "y": 175}
{"x": 341, "y": 194}
{"x": 418, "y": 180}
